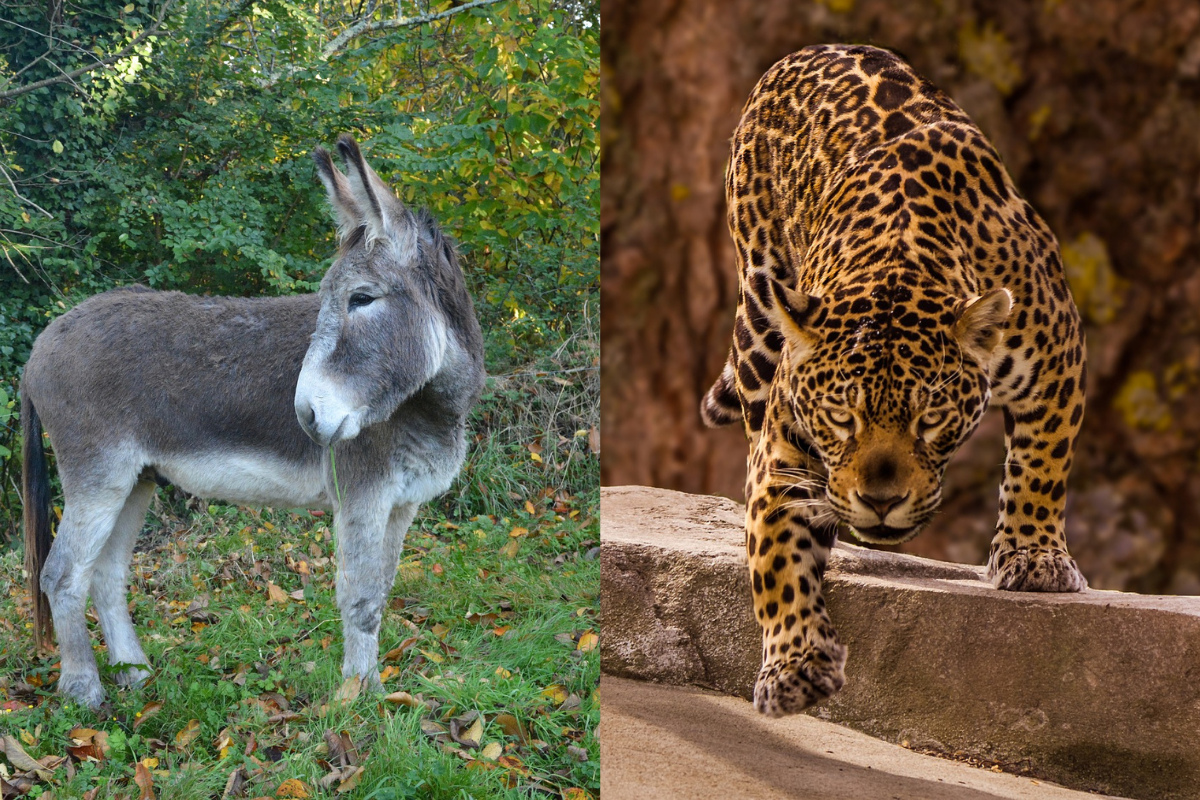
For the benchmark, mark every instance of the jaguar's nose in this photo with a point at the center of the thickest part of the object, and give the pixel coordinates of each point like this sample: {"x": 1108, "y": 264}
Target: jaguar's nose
{"x": 882, "y": 505}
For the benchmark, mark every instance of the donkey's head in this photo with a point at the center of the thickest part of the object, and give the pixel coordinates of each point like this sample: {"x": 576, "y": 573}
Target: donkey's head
{"x": 381, "y": 333}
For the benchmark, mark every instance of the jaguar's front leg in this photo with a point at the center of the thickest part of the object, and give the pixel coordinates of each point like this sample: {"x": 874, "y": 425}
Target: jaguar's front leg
{"x": 1029, "y": 551}
{"x": 802, "y": 660}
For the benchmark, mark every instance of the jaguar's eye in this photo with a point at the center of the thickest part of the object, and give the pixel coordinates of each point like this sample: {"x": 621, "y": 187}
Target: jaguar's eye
{"x": 931, "y": 419}
{"x": 841, "y": 417}
{"x": 359, "y": 300}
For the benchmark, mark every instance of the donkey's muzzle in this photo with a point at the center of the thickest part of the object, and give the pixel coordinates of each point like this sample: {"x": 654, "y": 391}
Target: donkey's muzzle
{"x": 307, "y": 418}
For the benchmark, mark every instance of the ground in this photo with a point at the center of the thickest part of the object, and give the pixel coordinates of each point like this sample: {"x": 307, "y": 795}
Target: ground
{"x": 489, "y": 654}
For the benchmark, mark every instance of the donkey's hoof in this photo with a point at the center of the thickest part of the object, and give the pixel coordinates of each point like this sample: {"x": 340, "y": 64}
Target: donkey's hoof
{"x": 83, "y": 689}
{"x": 132, "y": 677}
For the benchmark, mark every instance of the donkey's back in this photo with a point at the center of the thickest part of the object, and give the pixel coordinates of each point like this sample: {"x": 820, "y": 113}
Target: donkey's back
{"x": 196, "y": 389}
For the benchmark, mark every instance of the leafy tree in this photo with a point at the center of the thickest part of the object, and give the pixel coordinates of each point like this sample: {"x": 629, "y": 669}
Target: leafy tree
{"x": 166, "y": 142}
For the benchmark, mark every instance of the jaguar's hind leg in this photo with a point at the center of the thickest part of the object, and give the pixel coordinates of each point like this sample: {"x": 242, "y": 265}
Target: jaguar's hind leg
{"x": 88, "y": 520}
{"x": 109, "y": 586}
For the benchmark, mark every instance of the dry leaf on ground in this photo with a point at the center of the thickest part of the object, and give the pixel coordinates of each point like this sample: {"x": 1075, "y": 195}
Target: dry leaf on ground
{"x": 148, "y": 711}
{"x": 188, "y": 734}
{"x": 349, "y": 691}
{"x": 293, "y": 788}
{"x": 22, "y": 760}
{"x": 144, "y": 781}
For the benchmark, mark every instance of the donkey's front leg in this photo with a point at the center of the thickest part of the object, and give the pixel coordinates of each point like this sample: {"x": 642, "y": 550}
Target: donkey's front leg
{"x": 368, "y": 553}
{"x": 803, "y": 660}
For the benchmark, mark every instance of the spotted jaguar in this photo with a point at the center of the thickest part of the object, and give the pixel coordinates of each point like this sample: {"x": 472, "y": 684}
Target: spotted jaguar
{"x": 893, "y": 285}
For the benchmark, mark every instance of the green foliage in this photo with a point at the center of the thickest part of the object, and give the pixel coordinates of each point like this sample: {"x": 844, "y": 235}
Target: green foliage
{"x": 184, "y": 165}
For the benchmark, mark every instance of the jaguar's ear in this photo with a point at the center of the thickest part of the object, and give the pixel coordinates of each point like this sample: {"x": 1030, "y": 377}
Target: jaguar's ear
{"x": 792, "y": 314}
{"x": 981, "y": 322}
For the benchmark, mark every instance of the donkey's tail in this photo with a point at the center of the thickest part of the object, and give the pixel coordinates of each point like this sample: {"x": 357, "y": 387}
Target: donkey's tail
{"x": 36, "y": 488}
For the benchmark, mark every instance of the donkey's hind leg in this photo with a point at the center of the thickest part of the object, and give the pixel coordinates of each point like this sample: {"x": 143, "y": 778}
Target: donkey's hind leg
{"x": 109, "y": 586}
{"x": 87, "y": 523}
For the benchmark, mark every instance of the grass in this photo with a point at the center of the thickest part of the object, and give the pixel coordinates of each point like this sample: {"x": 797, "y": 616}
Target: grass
{"x": 489, "y": 643}
{"x": 495, "y": 617}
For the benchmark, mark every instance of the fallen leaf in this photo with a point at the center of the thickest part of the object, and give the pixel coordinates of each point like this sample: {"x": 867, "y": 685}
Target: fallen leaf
{"x": 431, "y": 728}
{"x": 397, "y": 652}
{"x": 22, "y": 760}
{"x": 349, "y": 691}
{"x": 224, "y": 742}
{"x": 529, "y": 508}
{"x": 403, "y": 699}
{"x": 188, "y": 734}
{"x": 516, "y": 532}
{"x": 436, "y": 658}
{"x": 594, "y": 441}
{"x": 276, "y": 594}
{"x": 577, "y": 753}
{"x": 491, "y": 751}
{"x": 82, "y": 735}
{"x": 556, "y": 693}
{"x": 588, "y": 642}
{"x": 148, "y": 711}
{"x": 503, "y": 673}
{"x": 235, "y": 784}
{"x": 575, "y": 793}
{"x": 471, "y": 737}
{"x": 144, "y": 781}
{"x": 510, "y": 725}
{"x": 337, "y": 753}
{"x": 510, "y": 549}
{"x": 350, "y": 778}
{"x": 292, "y": 788}
{"x": 500, "y": 630}
{"x": 348, "y": 747}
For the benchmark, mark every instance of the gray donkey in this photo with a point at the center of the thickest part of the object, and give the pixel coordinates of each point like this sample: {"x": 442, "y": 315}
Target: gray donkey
{"x": 243, "y": 399}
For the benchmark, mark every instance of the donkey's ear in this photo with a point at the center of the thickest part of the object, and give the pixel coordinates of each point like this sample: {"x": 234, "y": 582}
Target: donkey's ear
{"x": 980, "y": 324}
{"x": 792, "y": 313}
{"x": 385, "y": 216}
{"x": 349, "y": 216}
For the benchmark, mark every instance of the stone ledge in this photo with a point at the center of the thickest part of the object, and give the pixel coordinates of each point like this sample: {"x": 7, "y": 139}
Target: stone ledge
{"x": 1098, "y": 691}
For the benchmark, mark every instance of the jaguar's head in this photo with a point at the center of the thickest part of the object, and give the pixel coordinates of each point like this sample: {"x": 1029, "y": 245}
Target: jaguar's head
{"x": 885, "y": 384}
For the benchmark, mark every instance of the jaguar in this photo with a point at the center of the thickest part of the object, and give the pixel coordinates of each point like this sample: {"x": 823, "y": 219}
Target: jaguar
{"x": 893, "y": 285}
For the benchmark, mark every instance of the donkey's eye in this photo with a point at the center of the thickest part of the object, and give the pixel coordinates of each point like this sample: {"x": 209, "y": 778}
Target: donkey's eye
{"x": 358, "y": 300}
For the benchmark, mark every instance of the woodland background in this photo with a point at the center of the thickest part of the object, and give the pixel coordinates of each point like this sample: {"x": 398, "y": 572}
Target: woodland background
{"x": 167, "y": 142}
{"x": 1094, "y": 107}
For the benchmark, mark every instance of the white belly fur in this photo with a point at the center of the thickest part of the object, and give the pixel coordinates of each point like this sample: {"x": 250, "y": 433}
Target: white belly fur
{"x": 247, "y": 478}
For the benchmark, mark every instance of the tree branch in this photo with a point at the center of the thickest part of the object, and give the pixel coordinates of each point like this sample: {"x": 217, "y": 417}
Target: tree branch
{"x": 104, "y": 62}
{"x": 25, "y": 200}
{"x": 335, "y": 47}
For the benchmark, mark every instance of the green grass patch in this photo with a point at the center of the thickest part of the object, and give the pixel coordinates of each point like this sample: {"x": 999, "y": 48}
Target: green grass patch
{"x": 491, "y": 665}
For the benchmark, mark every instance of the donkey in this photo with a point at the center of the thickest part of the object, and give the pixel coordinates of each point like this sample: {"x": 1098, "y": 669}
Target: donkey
{"x": 253, "y": 401}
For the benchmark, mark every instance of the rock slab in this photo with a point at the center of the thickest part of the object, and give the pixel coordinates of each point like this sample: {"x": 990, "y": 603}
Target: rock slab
{"x": 1097, "y": 691}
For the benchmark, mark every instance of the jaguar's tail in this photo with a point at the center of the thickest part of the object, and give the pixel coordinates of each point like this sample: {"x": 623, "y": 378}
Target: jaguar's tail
{"x": 720, "y": 405}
